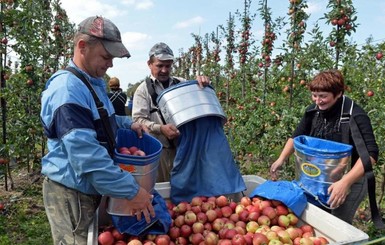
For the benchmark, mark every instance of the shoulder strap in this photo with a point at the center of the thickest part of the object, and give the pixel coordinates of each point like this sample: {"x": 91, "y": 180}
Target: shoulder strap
{"x": 151, "y": 90}
{"x": 365, "y": 158}
{"x": 102, "y": 112}
{"x": 346, "y": 112}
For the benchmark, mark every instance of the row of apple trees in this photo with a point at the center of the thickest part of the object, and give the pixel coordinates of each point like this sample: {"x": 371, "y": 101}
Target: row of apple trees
{"x": 35, "y": 41}
{"x": 262, "y": 85}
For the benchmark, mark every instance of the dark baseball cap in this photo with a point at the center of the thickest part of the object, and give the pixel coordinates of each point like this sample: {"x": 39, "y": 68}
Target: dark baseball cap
{"x": 108, "y": 34}
{"x": 161, "y": 51}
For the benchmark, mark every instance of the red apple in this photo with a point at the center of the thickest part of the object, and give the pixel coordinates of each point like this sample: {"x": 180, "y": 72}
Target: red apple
{"x": 196, "y": 238}
{"x": 179, "y": 220}
{"x": 106, "y": 238}
{"x": 232, "y": 205}
{"x": 124, "y": 150}
{"x": 211, "y": 238}
{"x": 370, "y": 93}
{"x": 181, "y": 240}
{"x": 245, "y": 201}
{"x": 139, "y": 153}
{"x": 132, "y": 242}
{"x": 269, "y": 211}
{"x": 190, "y": 218}
{"x": 281, "y": 210}
{"x": 252, "y": 226}
{"x": 116, "y": 234}
{"x": 293, "y": 218}
{"x": 260, "y": 239}
{"x": 238, "y": 239}
{"x": 185, "y": 230}
{"x": 174, "y": 232}
{"x": 133, "y": 149}
{"x": 4, "y": 40}
{"x": 202, "y": 217}
{"x": 264, "y": 220}
{"x": 198, "y": 227}
{"x": 284, "y": 236}
{"x": 218, "y": 224}
{"x": 181, "y": 208}
{"x": 162, "y": 239}
{"x": 305, "y": 241}
{"x": 379, "y": 55}
{"x": 307, "y": 228}
{"x": 196, "y": 201}
{"x": 221, "y": 201}
{"x": 226, "y": 211}
{"x": 283, "y": 221}
{"x": 253, "y": 216}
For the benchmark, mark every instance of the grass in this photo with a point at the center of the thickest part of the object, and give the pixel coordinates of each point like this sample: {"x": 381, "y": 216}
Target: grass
{"x": 23, "y": 218}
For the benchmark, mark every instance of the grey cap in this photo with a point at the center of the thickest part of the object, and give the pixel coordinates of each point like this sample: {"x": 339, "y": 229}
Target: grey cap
{"x": 107, "y": 32}
{"x": 161, "y": 51}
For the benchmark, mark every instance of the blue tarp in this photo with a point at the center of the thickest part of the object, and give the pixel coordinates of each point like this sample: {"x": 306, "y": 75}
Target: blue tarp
{"x": 204, "y": 164}
{"x": 287, "y": 192}
{"x": 160, "y": 224}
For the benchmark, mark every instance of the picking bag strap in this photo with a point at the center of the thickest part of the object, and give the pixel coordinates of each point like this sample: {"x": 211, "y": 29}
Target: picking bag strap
{"x": 102, "y": 112}
{"x": 364, "y": 155}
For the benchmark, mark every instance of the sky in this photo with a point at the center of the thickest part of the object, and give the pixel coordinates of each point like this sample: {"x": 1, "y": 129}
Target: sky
{"x": 143, "y": 23}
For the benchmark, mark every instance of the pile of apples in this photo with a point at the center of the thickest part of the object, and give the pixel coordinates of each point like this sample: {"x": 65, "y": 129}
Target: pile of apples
{"x": 133, "y": 150}
{"x": 219, "y": 220}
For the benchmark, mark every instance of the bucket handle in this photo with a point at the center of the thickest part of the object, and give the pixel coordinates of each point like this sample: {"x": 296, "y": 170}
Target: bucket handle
{"x": 315, "y": 197}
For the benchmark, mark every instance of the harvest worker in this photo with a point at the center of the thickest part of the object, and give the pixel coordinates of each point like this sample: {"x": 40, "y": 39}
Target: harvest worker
{"x": 196, "y": 156}
{"x": 161, "y": 59}
{"x": 78, "y": 166}
{"x": 323, "y": 120}
{"x": 117, "y": 96}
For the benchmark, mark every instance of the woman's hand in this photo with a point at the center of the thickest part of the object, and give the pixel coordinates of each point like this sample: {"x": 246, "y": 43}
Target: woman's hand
{"x": 274, "y": 169}
{"x": 338, "y": 192}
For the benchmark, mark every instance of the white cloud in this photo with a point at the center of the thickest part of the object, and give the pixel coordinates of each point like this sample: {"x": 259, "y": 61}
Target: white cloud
{"x": 79, "y": 10}
{"x": 135, "y": 39}
{"x": 139, "y": 4}
{"x": 190, "y": 22}
{"x": 314, "y": 8}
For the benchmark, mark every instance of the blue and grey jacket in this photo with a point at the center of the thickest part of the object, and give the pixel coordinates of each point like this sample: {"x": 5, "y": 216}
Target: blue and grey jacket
{"x": 76, "y": 156}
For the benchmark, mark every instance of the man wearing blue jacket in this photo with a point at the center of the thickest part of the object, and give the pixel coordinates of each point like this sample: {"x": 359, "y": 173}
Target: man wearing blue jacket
{"x": 78, "y": 168}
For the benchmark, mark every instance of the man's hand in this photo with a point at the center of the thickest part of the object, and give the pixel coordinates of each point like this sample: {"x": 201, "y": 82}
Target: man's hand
{"x": 139, "y": 128}
{"x": 142, "y": 203}
{"x": 170, "y": 131}
{"x": 203, "y": 81}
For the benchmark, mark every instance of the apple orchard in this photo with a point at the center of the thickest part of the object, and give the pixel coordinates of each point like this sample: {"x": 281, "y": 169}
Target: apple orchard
{"x": 260, "y": 82}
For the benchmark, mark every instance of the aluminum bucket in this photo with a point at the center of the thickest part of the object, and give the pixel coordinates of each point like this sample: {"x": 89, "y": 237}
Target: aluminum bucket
{"x": 186, "y": 101}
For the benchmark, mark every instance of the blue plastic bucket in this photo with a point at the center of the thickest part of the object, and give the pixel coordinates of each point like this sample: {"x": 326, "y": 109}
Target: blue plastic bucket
{"x": 319, "y": 163}
{"x": 143, "y": 168}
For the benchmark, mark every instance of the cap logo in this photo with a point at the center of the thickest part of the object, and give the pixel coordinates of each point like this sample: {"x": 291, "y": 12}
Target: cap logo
{"x": 96, "y": 28}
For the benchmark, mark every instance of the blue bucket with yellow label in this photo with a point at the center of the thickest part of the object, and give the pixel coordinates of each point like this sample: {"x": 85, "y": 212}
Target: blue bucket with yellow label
{"x": 319, "y": 163}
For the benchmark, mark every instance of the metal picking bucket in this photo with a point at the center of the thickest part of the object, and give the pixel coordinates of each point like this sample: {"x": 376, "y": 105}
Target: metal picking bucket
{"x": 186, "y": 101}
{"x": 319, "y": 163}
{"x": 143, "y": 168}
